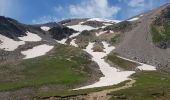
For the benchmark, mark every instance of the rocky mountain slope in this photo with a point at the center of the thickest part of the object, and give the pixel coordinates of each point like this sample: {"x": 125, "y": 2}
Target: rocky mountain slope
{"x": 138, "y": 43}
{"x": 80, "y": 53}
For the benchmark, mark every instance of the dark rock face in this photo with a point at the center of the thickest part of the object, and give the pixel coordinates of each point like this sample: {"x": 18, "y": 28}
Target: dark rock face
{"x": 93, "y": 23}
{"x": 11, "y": 28}
{"x": 50, "y": 24}
{"x": 65, "y": 21}
{"x": 59, "y": 33}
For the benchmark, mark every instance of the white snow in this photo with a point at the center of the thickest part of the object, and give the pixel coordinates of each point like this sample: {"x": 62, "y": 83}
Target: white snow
{"x": 73, "y": 43}
{"x": 134, "y": 19}
{"x": 100, "y": 33}
{"x": 104, "y": 20}
{"x": 30, "y": 37}
{"x": 45, "y": 28}
{"x": 111, "y": 75}
{"x": 37, "y": 51}
{"x": 103, "y": 32}
{"x": 142, "y": 66}
{"x": 74, "y": 35}
{"x": 107, "y": 24}
{"x": 9, "y": 44}
{"x": 146, "y": 67}
{"x": 81, "y": 28}
{"x": 63, "y": 41}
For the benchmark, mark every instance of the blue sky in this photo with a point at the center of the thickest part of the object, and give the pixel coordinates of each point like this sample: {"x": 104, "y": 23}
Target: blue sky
{"x": 40, "y": 11}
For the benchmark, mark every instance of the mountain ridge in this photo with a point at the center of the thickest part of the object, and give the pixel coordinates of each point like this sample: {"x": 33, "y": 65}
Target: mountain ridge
{"x": 74, "y": 54}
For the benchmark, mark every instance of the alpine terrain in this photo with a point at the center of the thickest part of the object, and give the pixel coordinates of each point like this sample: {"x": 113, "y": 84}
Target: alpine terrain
{"x": 87, "y": 58}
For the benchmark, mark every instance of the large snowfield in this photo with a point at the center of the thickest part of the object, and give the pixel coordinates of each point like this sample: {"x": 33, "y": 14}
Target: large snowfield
{"x": 37, "y": 51}
{"x": 111, "y": 75}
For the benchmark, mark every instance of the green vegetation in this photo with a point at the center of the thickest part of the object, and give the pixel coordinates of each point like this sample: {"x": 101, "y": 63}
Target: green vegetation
{"x": 148, "y": 86}
{"x": 156, "y": 36}
{"x": 115, "y": 39}
{"x": 65, "y": 66}
{"x": 98, "y": 47}
{"x": 166, "y": 31}
{"x": 84, "y": 38}
{"x": 67, "y": 93}
{"x": 124, "y": 64}
{"x": 120, "y": 27}
{"x": 160, "y": 33}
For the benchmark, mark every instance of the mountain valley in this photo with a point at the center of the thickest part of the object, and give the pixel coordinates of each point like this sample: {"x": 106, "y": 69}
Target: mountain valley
{"x": 87, "y": 58}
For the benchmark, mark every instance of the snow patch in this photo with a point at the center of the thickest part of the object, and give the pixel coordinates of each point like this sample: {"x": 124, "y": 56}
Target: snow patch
{"x": 30, "y": 37}
{"x": 45, "y": 28}
{"x": 74, "y": 35}
{"x": 141, "y": 15}
{"x": 133, "y": 19}
{"x": 107, "y": 24}
{"x": 81, "y": 28}
{"x": 142, "y": 66}
{"x": 103, "y": 32}
{"x": 63, "y": 41}
{"x": 73, "y": 43}
{"x": 100, "y": 33}
{"x": 104, "y": 20}
{"x": 111, "y": 75}
{"x": 9, "y": 44}
{"x": 37, "y": 51}
{"x": 146, "y": 67}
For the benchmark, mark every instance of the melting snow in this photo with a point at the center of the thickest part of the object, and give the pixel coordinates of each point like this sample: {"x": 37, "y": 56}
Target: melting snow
{"x": 107, "y": 24}
{"x": 134, "y": 19}
{"x": 63, "y": 41}
{"x": 111, "y": 75}
{"x": 146, "y": 67}
{"x": 103, "y": 32}
{"x": 30, "y": 37}
{"x": 81, "y": 28}
{"x": 73, "y": 43}
{"x": 37, "y": 51}
{"x": 100, "y": 33}
{"x": 104, "y": 20}
{"x": 45, "y": 28}
{"x": 74, "y": 35}
{"x": 142, "y": 65}
{"x": 9, "y": 44}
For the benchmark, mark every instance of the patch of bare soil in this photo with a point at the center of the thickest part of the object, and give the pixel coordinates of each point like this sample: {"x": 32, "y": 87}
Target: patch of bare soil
{"x": 104, "y": 95}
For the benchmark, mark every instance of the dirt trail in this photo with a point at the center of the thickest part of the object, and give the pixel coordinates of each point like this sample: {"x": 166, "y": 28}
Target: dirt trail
{"x": 103, "y": 95}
